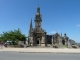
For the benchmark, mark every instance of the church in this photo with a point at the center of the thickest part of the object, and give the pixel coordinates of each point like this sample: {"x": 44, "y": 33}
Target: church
{"x": 38, "y": 36}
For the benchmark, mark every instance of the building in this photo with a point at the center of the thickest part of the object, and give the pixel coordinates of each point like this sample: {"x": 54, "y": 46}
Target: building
{"x": 38, "y": 36}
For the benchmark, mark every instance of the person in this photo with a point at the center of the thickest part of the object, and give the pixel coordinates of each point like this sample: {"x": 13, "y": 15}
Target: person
{"x": 5, "y": 44}
{"x": 1, "y": 44}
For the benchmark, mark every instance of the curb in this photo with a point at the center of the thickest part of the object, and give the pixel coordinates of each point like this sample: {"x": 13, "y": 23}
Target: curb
{"x": 44, "y": 52}
{"x": 51, "y": 52}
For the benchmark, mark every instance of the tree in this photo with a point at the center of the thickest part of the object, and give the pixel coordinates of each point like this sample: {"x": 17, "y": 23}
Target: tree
{"x": 13, "y": 36}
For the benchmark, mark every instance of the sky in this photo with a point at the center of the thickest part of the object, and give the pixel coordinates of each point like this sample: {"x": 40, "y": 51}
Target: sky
{"x": 62, "y": 16}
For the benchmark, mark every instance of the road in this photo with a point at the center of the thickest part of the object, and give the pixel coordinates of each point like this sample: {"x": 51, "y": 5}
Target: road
{"x": 37, "y": 56}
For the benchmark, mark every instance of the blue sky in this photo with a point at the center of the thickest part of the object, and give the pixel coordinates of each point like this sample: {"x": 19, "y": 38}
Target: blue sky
{"x": 61, "y": 16}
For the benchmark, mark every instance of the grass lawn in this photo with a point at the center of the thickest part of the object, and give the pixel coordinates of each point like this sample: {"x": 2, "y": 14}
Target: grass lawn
{"x": 64, "y": 46}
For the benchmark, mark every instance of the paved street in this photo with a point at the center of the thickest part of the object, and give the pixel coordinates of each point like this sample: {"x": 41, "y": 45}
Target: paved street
{"x": 37, "y": 56}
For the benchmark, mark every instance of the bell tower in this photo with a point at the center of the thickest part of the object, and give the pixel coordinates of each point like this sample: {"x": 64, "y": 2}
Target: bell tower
{"x": 37, "y": 34}
{"x": 38, "y": 19}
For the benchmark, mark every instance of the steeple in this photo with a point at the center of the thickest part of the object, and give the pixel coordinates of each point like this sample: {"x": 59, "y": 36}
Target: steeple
{"x": 31, "y": 28}
{"x": 38, "y": 19}
{"x": 31, "y": 24}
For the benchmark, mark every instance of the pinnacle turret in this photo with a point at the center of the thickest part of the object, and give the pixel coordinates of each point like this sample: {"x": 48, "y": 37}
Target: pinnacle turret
{"x": 31, "y": 24}
{"x": 61, "y": 34}
{"x": 31, "y": 28}
{"x": 38, "y": 9}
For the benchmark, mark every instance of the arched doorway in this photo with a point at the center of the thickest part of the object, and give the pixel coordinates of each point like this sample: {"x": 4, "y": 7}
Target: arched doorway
{"x": 63, "y": 42}
{"x": 38, "y": 40}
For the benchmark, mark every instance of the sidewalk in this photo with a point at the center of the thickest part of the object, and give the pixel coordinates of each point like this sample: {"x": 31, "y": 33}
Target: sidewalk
{"x": 43, "y": 50}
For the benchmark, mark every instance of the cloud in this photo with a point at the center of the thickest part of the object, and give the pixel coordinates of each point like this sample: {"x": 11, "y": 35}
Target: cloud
{"x": 78, "y": 25}
{"x": 53, "y": 32}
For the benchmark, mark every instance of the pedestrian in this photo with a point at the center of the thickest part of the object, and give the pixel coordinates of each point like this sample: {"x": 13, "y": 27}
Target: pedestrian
{"x": 1, "y": 45}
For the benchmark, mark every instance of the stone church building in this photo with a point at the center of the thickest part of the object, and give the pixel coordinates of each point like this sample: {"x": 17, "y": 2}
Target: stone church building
{"x": 38, "y": 36}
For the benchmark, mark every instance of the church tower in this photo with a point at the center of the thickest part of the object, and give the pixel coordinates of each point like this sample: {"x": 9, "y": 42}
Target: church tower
{"x": 38, "y": 19}
{"x": 37, "y": 36}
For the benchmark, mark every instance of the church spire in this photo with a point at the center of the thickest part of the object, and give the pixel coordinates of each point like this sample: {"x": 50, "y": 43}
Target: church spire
{"x": 31, "y": 24}
{"x": 30, "y": 30}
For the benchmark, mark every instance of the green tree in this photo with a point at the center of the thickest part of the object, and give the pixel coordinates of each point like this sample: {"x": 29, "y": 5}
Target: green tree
{"x": 13, "y": 36}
